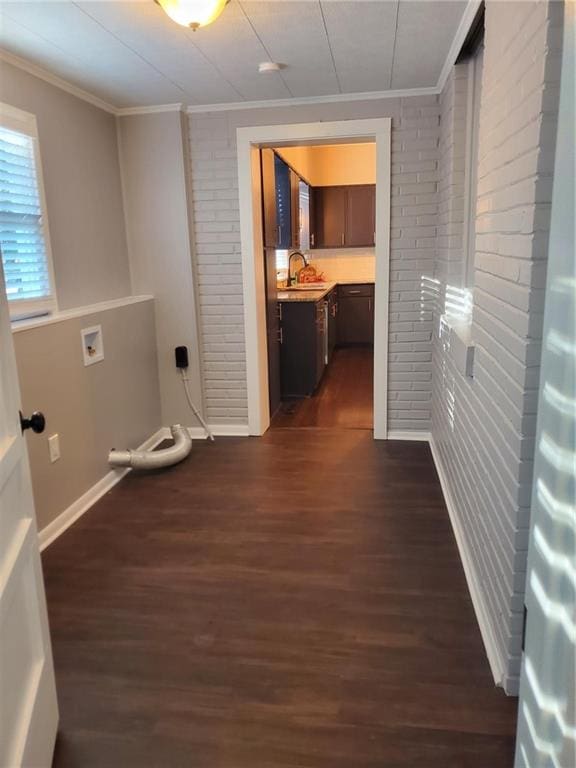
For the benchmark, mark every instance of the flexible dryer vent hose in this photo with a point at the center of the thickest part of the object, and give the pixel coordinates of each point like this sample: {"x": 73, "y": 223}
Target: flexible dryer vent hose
{"x": 155, "y": 459}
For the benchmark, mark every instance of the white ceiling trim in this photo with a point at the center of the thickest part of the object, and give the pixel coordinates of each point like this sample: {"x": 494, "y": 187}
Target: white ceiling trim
{"x": 44, "y": 74}
{"x": 331, "y": 99}
{"x": 127, "y": 111}
{"x": 50, "y": 77}
{"x": 465, "y": 24}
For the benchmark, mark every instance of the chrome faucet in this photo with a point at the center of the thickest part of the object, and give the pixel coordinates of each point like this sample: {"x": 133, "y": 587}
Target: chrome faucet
{"x": 304, "y": 259}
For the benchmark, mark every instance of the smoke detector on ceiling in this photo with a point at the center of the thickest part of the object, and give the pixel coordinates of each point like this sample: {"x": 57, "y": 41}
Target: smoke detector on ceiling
{"x": 270, "y": 66}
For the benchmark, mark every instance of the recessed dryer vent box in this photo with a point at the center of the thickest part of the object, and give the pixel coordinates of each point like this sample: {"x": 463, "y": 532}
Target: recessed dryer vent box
{"x": 92, "y": 344}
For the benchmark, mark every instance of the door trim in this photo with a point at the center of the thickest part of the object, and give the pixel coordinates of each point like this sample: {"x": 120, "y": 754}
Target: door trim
{"x": 249, "y": 141}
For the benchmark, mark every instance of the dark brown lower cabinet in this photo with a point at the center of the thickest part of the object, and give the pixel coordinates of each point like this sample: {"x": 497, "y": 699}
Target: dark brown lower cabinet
{"x": 310, "y": 330}
{"x": 356, "y": 314}
{"x": 332, "y": 300}
{"x": 303, "y": 348}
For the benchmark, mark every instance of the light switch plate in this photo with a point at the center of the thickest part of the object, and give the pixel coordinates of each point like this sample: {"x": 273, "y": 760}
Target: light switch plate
{"x": 54, "y": 447}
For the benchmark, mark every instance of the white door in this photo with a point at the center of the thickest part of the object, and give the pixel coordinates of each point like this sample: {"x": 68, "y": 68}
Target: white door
{"x": 547, "y": 706}
{"x": 28, "y": 706}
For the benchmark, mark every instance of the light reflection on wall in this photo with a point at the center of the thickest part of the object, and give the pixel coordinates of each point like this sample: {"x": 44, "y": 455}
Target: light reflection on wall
{"x": 456, "y": 312}
{"x": 547, "y": 712}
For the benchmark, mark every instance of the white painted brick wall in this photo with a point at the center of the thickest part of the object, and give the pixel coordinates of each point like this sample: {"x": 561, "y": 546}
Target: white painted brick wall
{"x": 415, "y": 132}
{"x": 484, "y": 428}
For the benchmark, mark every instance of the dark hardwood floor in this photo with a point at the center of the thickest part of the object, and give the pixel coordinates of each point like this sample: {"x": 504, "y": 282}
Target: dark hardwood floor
{"x": 344, "y": 398}
{"x": 294, "y": 601}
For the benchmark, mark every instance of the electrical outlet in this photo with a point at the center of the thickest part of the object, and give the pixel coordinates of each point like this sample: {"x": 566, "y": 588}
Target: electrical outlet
{"x": 54, "y": 447}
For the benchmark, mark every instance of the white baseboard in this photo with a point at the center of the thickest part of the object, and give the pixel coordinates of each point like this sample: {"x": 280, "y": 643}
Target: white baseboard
{"x": 64, "y": 520}
{"x": 398, "y": 434}
{"x": 218, "y": 430}
{"x": 497, "y": 663}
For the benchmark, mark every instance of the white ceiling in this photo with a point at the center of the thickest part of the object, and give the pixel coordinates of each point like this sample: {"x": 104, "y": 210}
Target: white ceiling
{"x": 131, "y": 54}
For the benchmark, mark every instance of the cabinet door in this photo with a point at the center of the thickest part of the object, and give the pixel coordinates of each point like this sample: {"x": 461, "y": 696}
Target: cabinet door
{"x": 269, "y": 199}
{"x": 283, "y": 203}
{"x": 360, "y": 215}
{"x": 304, "y": 216}
{"x": 329, "y": 217}
{"x": 321, "y": 330}
{"x": 298, "y": 351}
{"x": 332, "y": 322}
{"x": 355, "y": 320}
{"x": 295, "y": 209}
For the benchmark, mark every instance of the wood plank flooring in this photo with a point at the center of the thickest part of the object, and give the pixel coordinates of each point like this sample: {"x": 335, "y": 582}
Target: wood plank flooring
{"x": 293, "y": 601}
{"x": 344, "y": 398}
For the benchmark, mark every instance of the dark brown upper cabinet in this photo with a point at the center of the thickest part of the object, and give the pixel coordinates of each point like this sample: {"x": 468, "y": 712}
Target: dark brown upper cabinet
{"x": 295, "y": 208}
{"x": 269, "y": 214}
{"x": 280, "y": 204}
{"x": 344, "y": 217}
{"x": 329, "y": 217}
{"x": 360, "y": 215}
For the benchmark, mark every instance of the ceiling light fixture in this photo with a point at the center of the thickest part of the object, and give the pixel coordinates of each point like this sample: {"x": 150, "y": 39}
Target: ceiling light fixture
{"x": 193, "y": 13}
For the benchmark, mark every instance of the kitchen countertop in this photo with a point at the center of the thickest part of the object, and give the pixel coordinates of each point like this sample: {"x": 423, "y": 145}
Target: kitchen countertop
{"x": 300, "y": 295}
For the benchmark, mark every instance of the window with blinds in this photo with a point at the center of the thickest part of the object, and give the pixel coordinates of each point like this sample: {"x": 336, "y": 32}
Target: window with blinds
{"x": 23, "y": 241}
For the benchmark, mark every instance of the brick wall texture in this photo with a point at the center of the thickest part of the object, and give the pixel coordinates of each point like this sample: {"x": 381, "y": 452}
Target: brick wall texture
{"x": 484, "y": 427}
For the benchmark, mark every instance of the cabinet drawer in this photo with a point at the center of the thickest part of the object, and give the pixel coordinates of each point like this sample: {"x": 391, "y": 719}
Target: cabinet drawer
{"x": 358, "y": 289}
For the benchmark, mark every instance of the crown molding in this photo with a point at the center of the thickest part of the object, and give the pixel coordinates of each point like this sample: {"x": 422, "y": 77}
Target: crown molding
{"x": 127, "y": 111}
{"x": 38, "y": 71}
{"x": 311, "y": 100}
{"x": 52, "y": 79}
{"x": 465, "y": 23}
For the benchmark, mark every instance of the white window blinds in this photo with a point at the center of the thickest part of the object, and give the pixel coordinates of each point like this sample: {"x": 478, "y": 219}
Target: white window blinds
{"x": 25, "y": 257}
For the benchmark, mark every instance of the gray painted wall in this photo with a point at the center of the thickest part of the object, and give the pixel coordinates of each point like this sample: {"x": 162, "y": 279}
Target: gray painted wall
{"x": 484, "y": 427}
{"x": 79, "y": 152}
{"x": 153, "y": 158}
{"x": 415, "y": 132}
{"x": 115, "y": 402}
{"x": 112, "y": 404}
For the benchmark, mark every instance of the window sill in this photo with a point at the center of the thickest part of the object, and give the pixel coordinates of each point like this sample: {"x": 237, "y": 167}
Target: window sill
{"x": 457, "y": 339}
{"x": 69, "y": 314}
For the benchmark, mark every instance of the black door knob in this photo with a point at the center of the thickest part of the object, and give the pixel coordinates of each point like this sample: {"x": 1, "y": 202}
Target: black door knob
{"x": 36, "y": 422}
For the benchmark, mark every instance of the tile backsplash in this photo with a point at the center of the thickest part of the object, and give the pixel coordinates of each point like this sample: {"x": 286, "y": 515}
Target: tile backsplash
{"x": 344, "y": 264}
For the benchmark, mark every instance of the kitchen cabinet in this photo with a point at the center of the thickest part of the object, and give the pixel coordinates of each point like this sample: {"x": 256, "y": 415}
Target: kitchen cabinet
{"x": 303, "y": 347}
{"x": 332, "y": 300}
{"x": 360, "y": 215}
{"x": 283, "y": 203}
{"x": 356, "y": 314}
{"x": 280, "y": 202}
{"x": 269, "y": 216}
{"x": 344, "y": 217}
{"x": 295, "y": 209}
{"x": 329, "y": 206}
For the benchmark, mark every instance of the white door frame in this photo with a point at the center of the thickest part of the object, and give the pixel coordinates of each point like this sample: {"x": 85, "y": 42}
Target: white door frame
{"x": 249, "y": 141}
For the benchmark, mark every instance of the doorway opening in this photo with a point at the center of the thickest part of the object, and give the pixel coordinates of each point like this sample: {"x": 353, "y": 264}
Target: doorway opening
{"x": 319, "y": 231}
{"x": 316, "y": 283}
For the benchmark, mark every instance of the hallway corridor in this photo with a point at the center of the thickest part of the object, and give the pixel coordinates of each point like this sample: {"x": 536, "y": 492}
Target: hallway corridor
{"x": 292, "y": 601}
